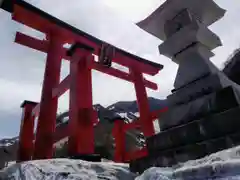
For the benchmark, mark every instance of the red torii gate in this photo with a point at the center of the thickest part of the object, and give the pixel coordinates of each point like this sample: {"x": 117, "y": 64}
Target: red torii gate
{"x": 79, "y": 81}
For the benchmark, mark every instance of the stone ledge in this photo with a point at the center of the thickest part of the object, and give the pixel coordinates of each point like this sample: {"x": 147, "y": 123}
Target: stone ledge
{"x": 184, "y": 153}
{"x": 219, "y": 101}
{"x": 212, "y": 126}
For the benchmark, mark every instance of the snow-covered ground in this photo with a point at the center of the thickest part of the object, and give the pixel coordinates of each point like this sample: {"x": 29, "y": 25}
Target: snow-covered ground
{"x": 224, "y": 165}
{"x": 65, "y": 169}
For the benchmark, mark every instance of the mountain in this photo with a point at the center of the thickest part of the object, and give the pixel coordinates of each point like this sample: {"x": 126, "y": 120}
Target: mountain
{"x": 8, "y": 149}
{"x": 131, "y": 106}
{"x": 8, "y": 142}
{"x": 127, "y": 110}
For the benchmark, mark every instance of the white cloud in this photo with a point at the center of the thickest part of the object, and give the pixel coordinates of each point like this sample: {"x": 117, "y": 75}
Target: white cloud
{"x": 134, "y": 10}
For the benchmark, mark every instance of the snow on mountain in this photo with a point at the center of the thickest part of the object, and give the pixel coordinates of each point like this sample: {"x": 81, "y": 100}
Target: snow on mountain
{"x": 67, "y": 169}
{"x": 8, "y": 142}
{"x": 129, "y": 109}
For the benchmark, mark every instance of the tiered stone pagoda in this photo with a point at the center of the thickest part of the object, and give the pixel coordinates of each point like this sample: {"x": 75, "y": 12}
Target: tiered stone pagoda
{"x": 204, "y": 113}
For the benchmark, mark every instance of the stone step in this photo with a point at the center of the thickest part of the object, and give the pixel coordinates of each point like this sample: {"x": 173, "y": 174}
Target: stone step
{"x": 212, "y": 126}
{"x": 182, "y": 154}
{"x": 202, "y": 86}
{"x": 216, "y": 102}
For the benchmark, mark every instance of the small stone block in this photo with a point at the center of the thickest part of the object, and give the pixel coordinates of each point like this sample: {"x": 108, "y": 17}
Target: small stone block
{"x": 88, "y": 157}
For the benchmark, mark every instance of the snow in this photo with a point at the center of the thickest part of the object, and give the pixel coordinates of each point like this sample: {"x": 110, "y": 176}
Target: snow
{"x": 5, "y": 144}
{"x": 59, "y": 169}
{"x": 224, "y": 165}
{"x": 137, "y": 114}
{"x": 111, "y": 108}
{"x": 124, "y": 115}
{"x": 8, "y": 142}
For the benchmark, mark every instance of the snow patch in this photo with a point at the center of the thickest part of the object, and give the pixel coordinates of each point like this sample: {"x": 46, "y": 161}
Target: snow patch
{"x": 223, "y": 165}
{"x": 67, "y": 169}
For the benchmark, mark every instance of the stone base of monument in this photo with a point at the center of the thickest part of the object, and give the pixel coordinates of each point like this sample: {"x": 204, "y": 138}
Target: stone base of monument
{"x": 204, "y": 107}
{"x": 173, "y": 156}
{"x": 87, "y": 157}
{"x": 180, "y": 154}
{"x": 204, "y": 134}
{"x": 197, "y": 108}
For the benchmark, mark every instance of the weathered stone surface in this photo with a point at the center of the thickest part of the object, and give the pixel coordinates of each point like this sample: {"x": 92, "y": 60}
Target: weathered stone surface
{"x": 212, "y": 126}
{"x": 185, "y": 153}
{"x": 166, "y": 158}
{"x": 203, "y": 86}
{"x": 206, "y": 11}
{"x": 184, "y": 18}
{"x": 192, "y": 33}
{"x": 193, "y": 64}
{"x": 175, "y": 137}
{"x": 216, "y": 102}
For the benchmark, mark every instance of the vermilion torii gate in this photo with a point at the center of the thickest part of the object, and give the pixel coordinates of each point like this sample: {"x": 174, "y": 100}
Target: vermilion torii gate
{"x": 79, "y": 82}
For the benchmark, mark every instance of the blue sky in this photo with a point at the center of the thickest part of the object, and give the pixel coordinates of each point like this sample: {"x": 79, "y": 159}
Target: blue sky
{"x": 21, "y": 69}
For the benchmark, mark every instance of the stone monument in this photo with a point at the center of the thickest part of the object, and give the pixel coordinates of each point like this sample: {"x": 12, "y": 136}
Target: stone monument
{"x": 204, "y": 106}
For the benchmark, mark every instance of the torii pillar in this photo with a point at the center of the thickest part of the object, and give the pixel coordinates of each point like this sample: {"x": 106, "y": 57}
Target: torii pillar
{"x": 81, "y": 113}
{"x": 48, "y": 106}
{"x": 26, "y": 135}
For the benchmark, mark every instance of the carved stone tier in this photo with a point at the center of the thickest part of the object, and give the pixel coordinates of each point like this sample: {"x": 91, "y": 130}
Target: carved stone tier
{"x": 215, "y": 102}
{"x": 186, "y": 37}
{"x": 206, "y": 11}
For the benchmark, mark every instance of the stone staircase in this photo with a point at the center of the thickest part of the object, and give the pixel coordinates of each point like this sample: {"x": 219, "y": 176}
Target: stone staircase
{"x": 215, "y": 130}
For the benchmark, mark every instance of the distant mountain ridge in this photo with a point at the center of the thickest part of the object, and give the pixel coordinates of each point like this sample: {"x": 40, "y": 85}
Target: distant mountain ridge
{"x": 131, "y": 106}
{"x": 122, "y": 110}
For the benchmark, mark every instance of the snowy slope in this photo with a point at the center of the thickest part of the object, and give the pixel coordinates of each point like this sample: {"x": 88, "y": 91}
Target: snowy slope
{"x": 66, "y": 169}
{"x": 224, "y": 165}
